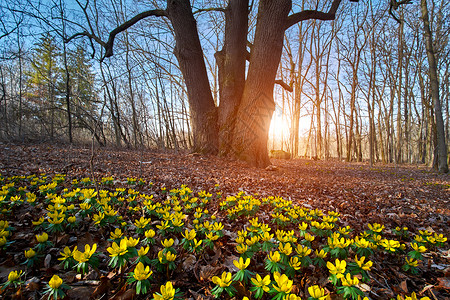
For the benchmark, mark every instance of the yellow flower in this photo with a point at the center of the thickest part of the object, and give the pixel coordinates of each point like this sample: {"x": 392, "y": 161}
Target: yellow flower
{"x": 217, "y": 226}
{"x": 274, "y": 257}
{"x": 251, "y": 241}
{"x": 361, "y": 243}
{"x": 38, "y": 222}
{"x": 349, "y": 281}
{"x": 189, "y": 235}
{"x": 292, "y": 297}
{"x": 170, "y": 256}
{"x": 262, "y": 282}
{"x": 295, "y": 263}
{"x": 85, "y": 206}
{"x": 440, "y": 238}
{"x": 14, "y": 275}
{"x": 42, "y": 238}
{"x": 2, "y": 241}
{"x": 164, "y": 225}
{"x": 303, "y": 251}
{"x": 117, "y": 234}
{"x": 66, "y": 253}
{"x": 286, "y": 249}
{"x": 266, "y": 236}
{"x": 30, "y": 253}
{"x": 376, "y": 227}
{"x": 390, "y": 245}
{"x": 142, "y": 222}
{"x": 118, "y": 250}
{"x": 141, "y": 273}
{"x": 71, "y": 219}
{"x": 241, "y": 248}
{"x": 337, "y": 269}
{"x": 418, "y": 248}
{"x": 360, "y": 262}
{"x": 131, "y": 242}
{"x": 241, "y": 265}
{"x": 167, "y": 243}
{"x": 318, "y": 293}
{"x": 150, "y": 233}
{"x": 322, "y": 254}
{"x": 97, "y": 218}
{"x": 55, "y": 282}
{"x": 412, "y": 262}
{"x": 283, "y": 283}
{"x": 223, "y": 281}
{"x": 197, "y": 243}
{"x": 82, "y": 257}
{"x": 167, "y": 292}
{"x": 143, "y": 251}
{"x": 309, "y": 237}
{"x": 211, "y": 236}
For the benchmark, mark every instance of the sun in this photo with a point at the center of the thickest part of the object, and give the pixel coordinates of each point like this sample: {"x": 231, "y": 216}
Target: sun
{"x": 279, "y": 127}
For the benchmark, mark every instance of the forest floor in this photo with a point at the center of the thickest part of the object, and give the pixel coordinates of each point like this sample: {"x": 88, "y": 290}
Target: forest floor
{"x": 406, "y": 196}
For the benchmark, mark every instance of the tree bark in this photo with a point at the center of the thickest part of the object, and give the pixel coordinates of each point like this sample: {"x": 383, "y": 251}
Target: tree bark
{"x": 434, "y": 84}
{"x": 257, "y": 104}
{"x": 231, "y": 62}
{"x": 188, "y": 51}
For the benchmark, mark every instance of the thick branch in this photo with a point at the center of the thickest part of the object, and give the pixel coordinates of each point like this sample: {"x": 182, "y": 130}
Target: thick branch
{"x": 208, "y": 9}
{"x": 124, "y": 26}
{"x": 313, "y": 14}
{"x": 86, "y": 34}
{"x": 394, "y": 5}
{"x": 284, "y": 85}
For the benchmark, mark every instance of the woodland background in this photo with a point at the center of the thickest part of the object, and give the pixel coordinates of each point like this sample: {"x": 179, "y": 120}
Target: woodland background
{"x": 355, "y": 88}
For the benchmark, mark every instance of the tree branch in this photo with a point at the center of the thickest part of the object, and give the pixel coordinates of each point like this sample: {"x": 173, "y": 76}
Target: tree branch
{"x": 284, "y": 85}
{"x": 313, "y": 14}
{"x": 394, "y": 5}
{"x": 208, "y": 9}
{"x": 124, "y": 26}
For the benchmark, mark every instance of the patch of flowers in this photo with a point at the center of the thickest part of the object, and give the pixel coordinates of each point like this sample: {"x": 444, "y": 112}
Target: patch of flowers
{"x": 146, "y": 236}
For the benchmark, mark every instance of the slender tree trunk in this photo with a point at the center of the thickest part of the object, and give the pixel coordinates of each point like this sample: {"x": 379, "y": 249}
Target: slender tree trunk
{"x": 189, "y": 54}
{"x": 434, "y": 84}
{"x": 398, "y": 157}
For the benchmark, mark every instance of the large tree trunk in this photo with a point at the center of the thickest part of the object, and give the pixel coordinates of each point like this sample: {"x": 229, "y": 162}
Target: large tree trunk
{"x": 434, "y": 84}
{"x": 231, "y": 62}
{"x": 257, "y": 104}
{"x": 190, "y": 58}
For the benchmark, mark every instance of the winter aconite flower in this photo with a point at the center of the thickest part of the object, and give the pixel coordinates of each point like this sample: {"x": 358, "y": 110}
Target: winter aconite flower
{"x": 141, "y": 272}
{"x": 189, "y": 235}
{"x": 283, "y": 284}
{"x": 118, "y": 250}
{"x": 336, "y": 270}
{"x": 55, "y": 288}
{"x": 262, "y": 283}
{"x": 348, "y": 280}
{"x": 317, "y": 292}
{"x": 29, "y": 253}
{"x": 167, "y": 243}
{"x": 55, "y": 282}
{"x": 241, "y": 265}
{"x": 117, "y": 234}
{"x": 13, "y": 279}
{"x": 365, "y": 266}
{"x": 224, "y": 280}
{"x": 42, "y": 238}
{"x": 167, "y": 292}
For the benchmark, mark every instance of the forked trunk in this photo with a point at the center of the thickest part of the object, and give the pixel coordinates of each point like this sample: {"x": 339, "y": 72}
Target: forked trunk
{"x": 257, "y": 104}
